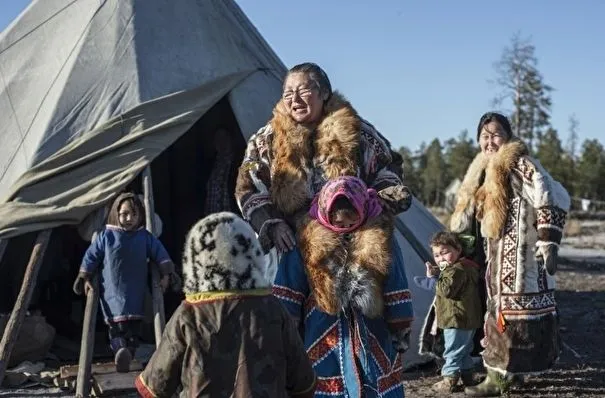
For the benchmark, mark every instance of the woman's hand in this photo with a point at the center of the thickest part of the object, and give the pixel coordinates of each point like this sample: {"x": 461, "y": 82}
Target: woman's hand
{"x": 550, "y": 254}
{"x": 282, "y": 237}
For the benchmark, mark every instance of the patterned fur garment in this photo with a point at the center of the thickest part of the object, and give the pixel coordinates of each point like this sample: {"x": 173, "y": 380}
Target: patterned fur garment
{"x": 346, "y": 272}
{"x": 222, "y": 253}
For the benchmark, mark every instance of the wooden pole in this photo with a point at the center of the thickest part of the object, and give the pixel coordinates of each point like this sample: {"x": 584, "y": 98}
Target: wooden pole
{"x": 25, "y": 294}
{"x": 87, "y": 344}
{"x": 156, "y": 290}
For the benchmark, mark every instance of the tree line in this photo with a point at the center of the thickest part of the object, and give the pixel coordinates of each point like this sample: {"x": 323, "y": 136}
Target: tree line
{"x": 430, "y": 169}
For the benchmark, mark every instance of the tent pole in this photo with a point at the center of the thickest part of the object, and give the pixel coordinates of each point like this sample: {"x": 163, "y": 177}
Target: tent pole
{"x": 25, "y": 294}
{"x": 156, "y": 290}
{"x": 87, "y": 344}
{"x": 422, "y": 252}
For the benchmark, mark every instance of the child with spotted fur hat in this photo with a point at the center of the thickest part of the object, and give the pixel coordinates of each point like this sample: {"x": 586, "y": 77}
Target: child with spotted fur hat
{"x": 230, "y": 336}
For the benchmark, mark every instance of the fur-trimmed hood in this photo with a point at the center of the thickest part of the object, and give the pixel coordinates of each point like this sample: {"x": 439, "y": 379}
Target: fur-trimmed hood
{"x": 333, "y": 145}
{"x": 222, "y": 253}
{"x": 485, "y": 190}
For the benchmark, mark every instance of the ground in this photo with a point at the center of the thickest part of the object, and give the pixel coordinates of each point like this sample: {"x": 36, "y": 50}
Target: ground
{"x": 581, "y": 300}
{"x": 581, "y": 368}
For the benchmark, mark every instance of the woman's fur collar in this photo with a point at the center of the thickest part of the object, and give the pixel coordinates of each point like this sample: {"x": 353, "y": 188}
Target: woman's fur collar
{"x": 333, "y": 145}
{"x": 487, "y": 199}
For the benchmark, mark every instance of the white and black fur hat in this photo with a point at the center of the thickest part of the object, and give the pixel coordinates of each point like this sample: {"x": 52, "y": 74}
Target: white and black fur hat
{"x": 223, "y": 253}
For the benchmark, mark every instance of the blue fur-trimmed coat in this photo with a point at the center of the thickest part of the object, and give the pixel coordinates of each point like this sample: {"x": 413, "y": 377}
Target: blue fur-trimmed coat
{"x": 350, "y": 352}
{"x": 521, "y": 209}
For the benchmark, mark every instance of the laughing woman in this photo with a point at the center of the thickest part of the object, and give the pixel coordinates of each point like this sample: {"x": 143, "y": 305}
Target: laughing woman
{"x": 518, "y": 211}
{"x": 315, "y": 135}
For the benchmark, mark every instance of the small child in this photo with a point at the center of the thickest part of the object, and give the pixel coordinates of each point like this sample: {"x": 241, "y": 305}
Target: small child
{"x": 121, "y": 251}
{"x": 353, "y": 308}
{"x": 346, "y": 233}
{"x": 458, "y": 308}
{"x": 229, "y": 337}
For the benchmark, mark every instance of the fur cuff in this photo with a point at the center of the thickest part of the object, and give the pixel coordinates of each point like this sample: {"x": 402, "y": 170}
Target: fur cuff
{"x": 396, "y": 199}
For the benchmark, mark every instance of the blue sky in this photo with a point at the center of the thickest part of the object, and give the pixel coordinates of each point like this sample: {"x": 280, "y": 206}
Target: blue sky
{"x": 420, "y": 69}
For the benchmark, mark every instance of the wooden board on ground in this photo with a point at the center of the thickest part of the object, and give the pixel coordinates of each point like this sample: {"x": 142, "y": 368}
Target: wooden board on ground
{"x": 112, "y": 383}
{"x": 98, "y": 369}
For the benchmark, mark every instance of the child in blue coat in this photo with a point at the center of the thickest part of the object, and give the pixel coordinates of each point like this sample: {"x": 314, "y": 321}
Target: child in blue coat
{"x": 120, "y": 253}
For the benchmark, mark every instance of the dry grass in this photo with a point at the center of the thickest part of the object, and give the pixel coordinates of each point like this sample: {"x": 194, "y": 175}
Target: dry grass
{"x": 573, "y": 227}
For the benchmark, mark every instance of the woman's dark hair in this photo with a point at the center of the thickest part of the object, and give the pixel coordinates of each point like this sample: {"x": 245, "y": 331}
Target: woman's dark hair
{"x": 498, "y": 118}
{"x": 316, "y": 74}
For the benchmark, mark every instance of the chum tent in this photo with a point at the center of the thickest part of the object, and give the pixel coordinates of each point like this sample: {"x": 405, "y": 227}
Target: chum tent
{"x": 94, "y": 91}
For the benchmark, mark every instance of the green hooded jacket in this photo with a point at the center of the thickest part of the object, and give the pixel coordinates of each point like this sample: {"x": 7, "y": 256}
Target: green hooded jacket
{"x": 458, "y": 304}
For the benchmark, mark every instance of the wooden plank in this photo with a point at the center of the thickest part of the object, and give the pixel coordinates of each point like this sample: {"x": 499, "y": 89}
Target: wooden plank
{"x": 25, "y": 294}
{"x": 111, "y": 383}
{"x": 87, "y": 342}
{"x": 68, "y": 371}
{"x": 159, "y": 320}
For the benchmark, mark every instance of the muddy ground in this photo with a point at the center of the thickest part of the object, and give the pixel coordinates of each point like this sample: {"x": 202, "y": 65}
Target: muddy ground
{"x": 581, "y": 368}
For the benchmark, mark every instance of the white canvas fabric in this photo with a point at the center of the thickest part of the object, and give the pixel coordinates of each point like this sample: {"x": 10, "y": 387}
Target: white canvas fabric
{"x": 91, "y": 91}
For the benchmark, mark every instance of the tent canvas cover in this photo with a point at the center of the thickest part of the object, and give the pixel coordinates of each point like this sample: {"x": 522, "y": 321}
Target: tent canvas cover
{"x": 92, "y": 91}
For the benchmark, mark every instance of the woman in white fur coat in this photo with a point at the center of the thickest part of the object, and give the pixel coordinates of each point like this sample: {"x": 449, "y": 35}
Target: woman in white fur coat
{"x": 518, "y": 212}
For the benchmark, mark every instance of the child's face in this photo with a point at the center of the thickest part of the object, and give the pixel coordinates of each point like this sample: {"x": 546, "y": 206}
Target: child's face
{"x": 445, "y": 254}
{"x": 128, "y": 216}
{"x": 345, "y": 219}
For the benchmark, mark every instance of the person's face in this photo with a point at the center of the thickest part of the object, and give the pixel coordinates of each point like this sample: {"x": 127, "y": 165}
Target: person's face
{"x": 302, "y": 98}
{"x": 128, "y": 216}
{"x": 345, "y": 219}
{"x": 491, "y": 138}
{"x": 445, "y": 254}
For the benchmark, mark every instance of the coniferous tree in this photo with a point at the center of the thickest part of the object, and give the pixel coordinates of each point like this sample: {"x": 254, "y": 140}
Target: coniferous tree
{"x": 590, "y": 171}
{"x": 459, "y": 153}
{"x": 554, "y": 159}
{"x": 523, "y": 86}
{"x": 411, "y": 176}
{"x": 572, "y": 142}
{"x": 433, "y": 174}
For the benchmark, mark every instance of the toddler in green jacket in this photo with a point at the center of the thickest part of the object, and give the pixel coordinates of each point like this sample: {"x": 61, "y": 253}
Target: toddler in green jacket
{"x": 458, "y": 307}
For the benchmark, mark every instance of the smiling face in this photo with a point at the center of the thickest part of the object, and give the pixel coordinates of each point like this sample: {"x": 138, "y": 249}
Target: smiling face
{"x": 302, "y": 98}
{"x": 492, "y": 137}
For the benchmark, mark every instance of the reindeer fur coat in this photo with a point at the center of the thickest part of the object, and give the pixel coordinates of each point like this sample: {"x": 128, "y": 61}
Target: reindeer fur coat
{"x": 520, "y": 208}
